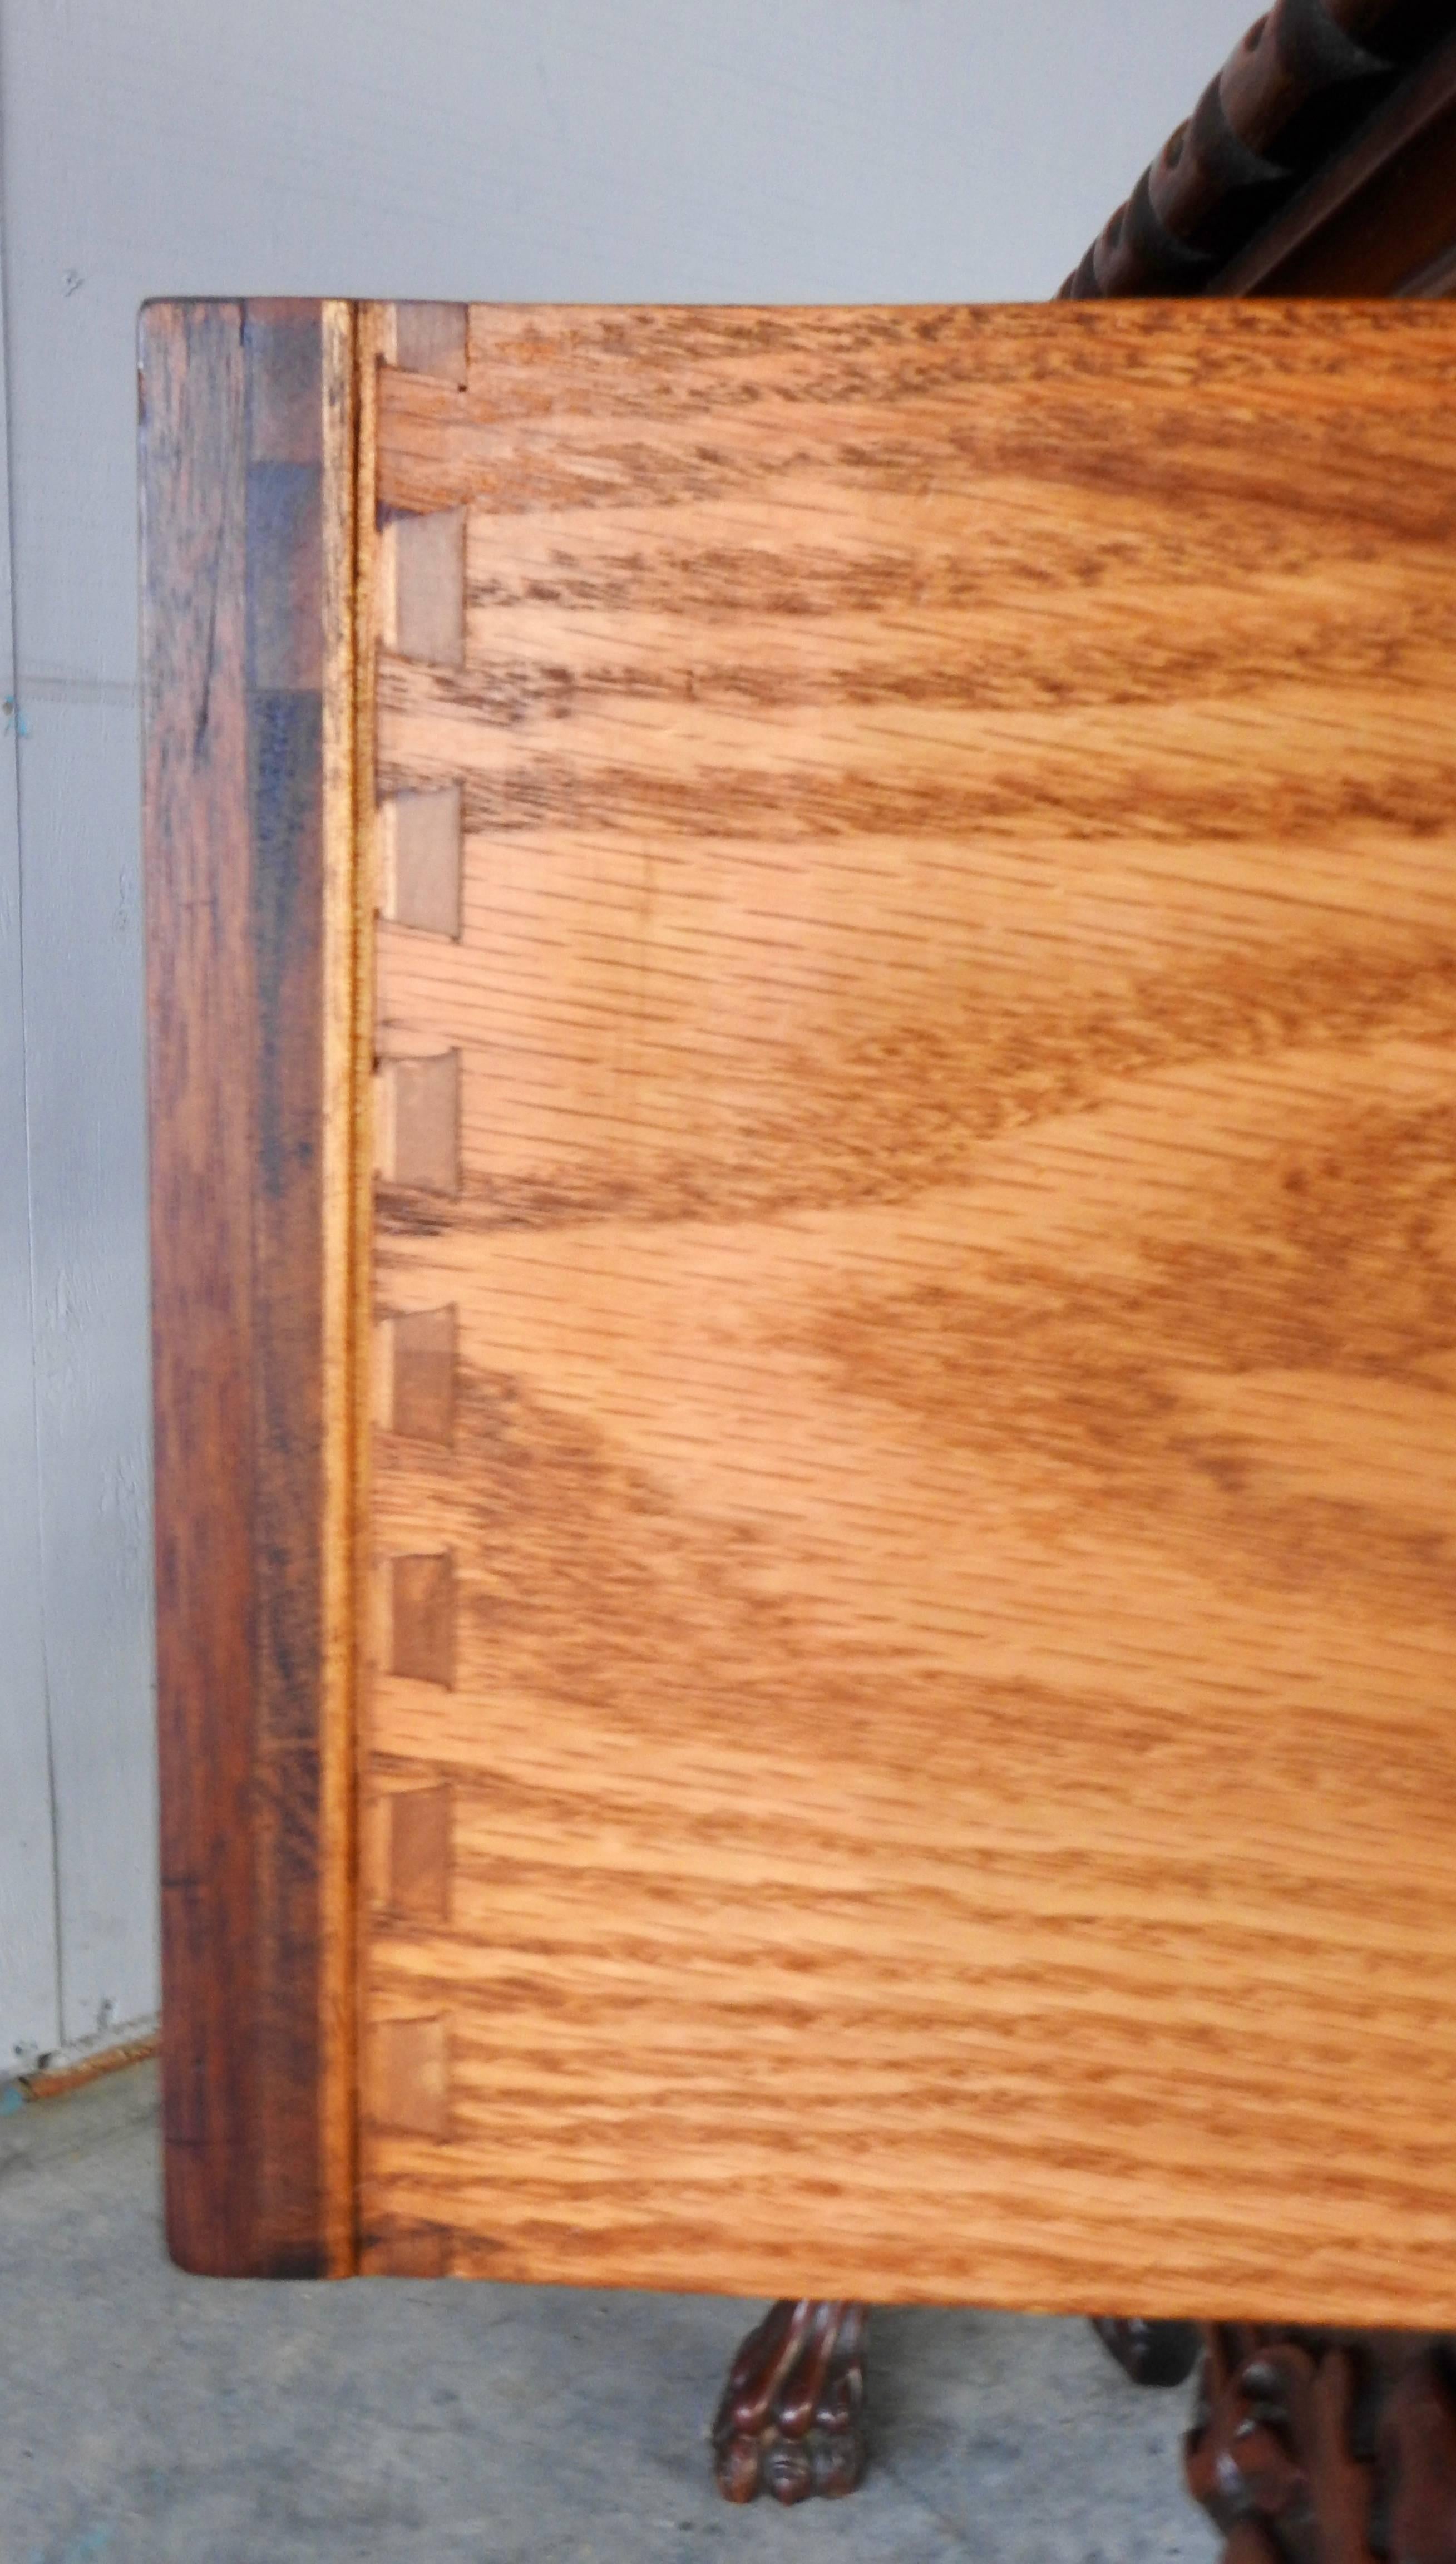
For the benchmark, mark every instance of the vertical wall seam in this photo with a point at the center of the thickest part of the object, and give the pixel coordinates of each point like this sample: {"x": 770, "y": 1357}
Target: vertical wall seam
{"x": 11, "y": 785}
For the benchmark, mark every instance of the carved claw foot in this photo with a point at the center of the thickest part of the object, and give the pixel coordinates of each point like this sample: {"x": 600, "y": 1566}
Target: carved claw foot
{"x": 1316, "y": 2447}
{"x": 791, "y": 2420}
{"x": 1151, "y": 2354}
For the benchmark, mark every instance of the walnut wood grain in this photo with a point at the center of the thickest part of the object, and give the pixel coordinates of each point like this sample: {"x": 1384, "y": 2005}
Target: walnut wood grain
{"x": 234, "y": 535}
{"x": 194, "y": 463}
{"x": 949, "y": 1509}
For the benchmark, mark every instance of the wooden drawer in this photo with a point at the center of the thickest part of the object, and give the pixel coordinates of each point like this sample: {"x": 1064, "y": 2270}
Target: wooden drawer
{"x": 803, "y": 979}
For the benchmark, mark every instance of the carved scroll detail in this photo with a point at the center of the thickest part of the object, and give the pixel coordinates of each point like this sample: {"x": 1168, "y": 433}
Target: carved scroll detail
{"x": 1324, "y": 2447}
{"x": 1300, "y": 81}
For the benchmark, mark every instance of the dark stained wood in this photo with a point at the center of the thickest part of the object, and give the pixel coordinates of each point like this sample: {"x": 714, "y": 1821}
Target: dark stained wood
{"x": 1380, "y": 217}
{"x": 1316, "y": 161}
{"x": 231, "y": 480}
{"x": 791, "y": 2420}
{"x": 201, "y": 1005}
{"x": 1151, "y": 2354}
{"x": 284, "y": 738}
{"x": 1312, "y": 2447}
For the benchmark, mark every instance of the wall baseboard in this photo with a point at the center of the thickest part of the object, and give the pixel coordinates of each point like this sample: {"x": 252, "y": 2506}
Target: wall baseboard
{"x": 64, "y": 2069}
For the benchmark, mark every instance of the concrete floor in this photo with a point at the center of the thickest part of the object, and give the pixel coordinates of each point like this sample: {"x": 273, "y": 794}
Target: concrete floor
{"x": 146, "y": 2417}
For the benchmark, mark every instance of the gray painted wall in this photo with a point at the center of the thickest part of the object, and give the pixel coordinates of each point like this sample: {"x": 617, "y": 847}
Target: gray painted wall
{"x": 28, "y": 1976}
{"x": 725, "y": 150}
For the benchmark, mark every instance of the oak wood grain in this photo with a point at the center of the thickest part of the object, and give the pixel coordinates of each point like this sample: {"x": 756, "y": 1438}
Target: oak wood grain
{"x": 954, "y": 1268}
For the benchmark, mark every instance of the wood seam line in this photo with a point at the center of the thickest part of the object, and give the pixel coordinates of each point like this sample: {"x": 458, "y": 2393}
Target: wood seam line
{"x": 341, "y": 1137}
{"x": 419, "y": 853}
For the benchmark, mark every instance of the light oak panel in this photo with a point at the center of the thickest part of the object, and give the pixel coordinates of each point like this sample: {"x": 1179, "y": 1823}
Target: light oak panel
{"x": 953, "y": 1252}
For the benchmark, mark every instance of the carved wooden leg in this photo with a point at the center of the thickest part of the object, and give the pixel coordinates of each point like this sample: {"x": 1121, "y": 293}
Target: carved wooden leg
{"x": 790, "y": 2419}
{"x": 1327, "y": 2448}
{"x": 1151, "y": 2354}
